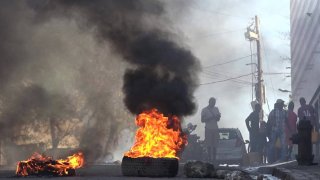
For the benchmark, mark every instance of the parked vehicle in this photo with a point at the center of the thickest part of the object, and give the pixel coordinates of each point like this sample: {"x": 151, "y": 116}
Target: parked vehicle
{"x": 231, "y": 148}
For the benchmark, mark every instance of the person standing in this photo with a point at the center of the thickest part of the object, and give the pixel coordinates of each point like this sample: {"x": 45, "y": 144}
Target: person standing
{"x": 277, "y": 120}
{"x": 252, "y": 123}
{"x": 291, "y": 127}
{"x": 210, "y": 115}
{"x": 270, "y": 130}
{"x": 307, "y": 111}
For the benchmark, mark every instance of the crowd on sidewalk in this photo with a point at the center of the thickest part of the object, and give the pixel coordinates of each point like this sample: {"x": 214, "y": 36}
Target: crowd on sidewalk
{"x": 271, "y": 139}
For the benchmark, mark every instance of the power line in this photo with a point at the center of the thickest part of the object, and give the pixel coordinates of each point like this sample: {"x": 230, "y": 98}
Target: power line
{"x": 216, "y": 75}
{"x": 196, "y": 6}
{"x": 218, "y": 33}
{"x": 222, "y": 74}
{"x": 214, "y": 82}
{"x": 228, "y": 90}
{"x": 275, "y": 73}
{"x": 252, "y": 71}
{"x": 227, "y": 62}
{"x": 268, "y": 66}
{"x": 268, "y": 12}
{"x": 237, "y": 85}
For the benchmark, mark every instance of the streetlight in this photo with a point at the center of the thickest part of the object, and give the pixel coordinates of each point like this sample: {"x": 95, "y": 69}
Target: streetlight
{"x": 252, "y": 64}
{"x": 248, "y": 64}
{"x": 284, "y": 90}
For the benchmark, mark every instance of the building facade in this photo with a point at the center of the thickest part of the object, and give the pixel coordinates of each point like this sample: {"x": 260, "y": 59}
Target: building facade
{"x": 305, "y": 51}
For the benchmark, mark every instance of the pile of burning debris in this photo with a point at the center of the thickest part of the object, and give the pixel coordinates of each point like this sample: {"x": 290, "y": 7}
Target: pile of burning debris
{"x": 40, "y": 165}
{"x": 159, "y": 139}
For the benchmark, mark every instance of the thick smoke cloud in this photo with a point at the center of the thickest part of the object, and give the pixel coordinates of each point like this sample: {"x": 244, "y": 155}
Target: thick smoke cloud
{"x": 64, "y": 63}
{"x": 11, "y": 40}
{"x": 164, "y": 73}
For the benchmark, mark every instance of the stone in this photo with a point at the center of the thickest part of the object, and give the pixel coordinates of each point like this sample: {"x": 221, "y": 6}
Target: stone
{"x": 198, "y": 169}
{"x": 237, "y": 175}
{"x": 221, "y": 174}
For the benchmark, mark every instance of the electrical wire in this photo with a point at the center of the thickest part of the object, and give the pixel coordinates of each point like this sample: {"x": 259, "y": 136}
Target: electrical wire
{"x": 227, "y": 62}
{"x": 222, "y": 32}
{"x": 252, "y": 77}
{"x": 268, "y": 67}
{"x": 214, "y": 74}
{"x": 218, "y": 75}
{"x": 197, "y": 7}
{"x": 275, "y": 73}
{"x": 224, "y": 80}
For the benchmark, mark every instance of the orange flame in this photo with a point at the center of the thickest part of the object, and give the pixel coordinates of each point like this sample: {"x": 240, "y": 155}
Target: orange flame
{"x": 39, "y": 164}
{"x": 157, "y": 136}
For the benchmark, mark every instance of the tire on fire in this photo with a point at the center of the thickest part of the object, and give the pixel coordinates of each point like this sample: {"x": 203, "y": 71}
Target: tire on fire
{"x": 149, "y": 167}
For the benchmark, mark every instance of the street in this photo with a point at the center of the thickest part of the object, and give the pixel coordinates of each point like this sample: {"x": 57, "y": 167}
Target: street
{"x": 111, "y": 171}
{"x": 284, "y": 170}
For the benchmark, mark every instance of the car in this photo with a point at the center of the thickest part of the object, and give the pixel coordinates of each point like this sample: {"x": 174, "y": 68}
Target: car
{"x": 231, "y": 147}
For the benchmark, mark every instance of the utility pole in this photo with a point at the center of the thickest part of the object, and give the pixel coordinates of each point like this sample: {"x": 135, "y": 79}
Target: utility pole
{"x": 260, "y": 93}
{"x": 253, "y": 34}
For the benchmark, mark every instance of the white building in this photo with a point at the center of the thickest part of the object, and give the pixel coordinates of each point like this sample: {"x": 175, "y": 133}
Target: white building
{"x": 305, "y": 50}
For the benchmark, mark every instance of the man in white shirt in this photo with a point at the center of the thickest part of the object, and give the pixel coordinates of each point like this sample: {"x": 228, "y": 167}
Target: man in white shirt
{"x": 210, "y": 115}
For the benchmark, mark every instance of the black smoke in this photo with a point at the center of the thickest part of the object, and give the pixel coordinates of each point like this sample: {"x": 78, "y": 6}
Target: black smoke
{"x": 11, "y": 41}
{"x": 163, "y": 73}
{"x": 60, "y": 69}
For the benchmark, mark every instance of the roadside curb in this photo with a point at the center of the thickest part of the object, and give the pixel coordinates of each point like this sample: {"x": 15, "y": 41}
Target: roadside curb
{"x": 293, "y": 174}
{"x": 290, "y": 171}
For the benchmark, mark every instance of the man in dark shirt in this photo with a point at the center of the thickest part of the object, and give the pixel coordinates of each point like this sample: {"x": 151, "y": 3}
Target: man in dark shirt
{"x": 307, "y": 111}
{"x": 277, "y": 121}
{"x": 252, "y": 123}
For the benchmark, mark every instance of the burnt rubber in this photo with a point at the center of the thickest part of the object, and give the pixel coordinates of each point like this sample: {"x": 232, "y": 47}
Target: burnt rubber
{"x": 149, "y": 167}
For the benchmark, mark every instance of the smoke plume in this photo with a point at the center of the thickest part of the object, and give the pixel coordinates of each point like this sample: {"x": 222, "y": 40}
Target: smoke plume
{"x": 66, "y": 66}
{"x": 164, "y": 73}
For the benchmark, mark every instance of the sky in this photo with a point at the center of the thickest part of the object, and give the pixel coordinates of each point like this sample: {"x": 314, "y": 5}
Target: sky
{"x": 214, "y": 31}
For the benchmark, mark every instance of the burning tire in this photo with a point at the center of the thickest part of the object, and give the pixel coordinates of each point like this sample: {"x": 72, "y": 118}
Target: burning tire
{"x": 149, "y": 167}
{"x": 40, "y": 165}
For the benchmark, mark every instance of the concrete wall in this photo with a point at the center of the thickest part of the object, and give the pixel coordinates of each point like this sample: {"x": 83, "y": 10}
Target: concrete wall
{"x": 305, "y": 48}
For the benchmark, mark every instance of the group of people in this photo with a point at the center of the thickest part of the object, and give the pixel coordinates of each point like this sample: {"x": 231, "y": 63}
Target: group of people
{"x": 272, "y": 138}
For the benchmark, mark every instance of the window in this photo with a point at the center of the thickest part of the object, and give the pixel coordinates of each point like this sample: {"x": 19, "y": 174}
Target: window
{"x": 227, "y": 135}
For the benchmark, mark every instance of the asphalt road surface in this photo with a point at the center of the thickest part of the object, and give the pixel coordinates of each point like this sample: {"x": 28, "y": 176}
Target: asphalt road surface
{"x": 94, "y": 172}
